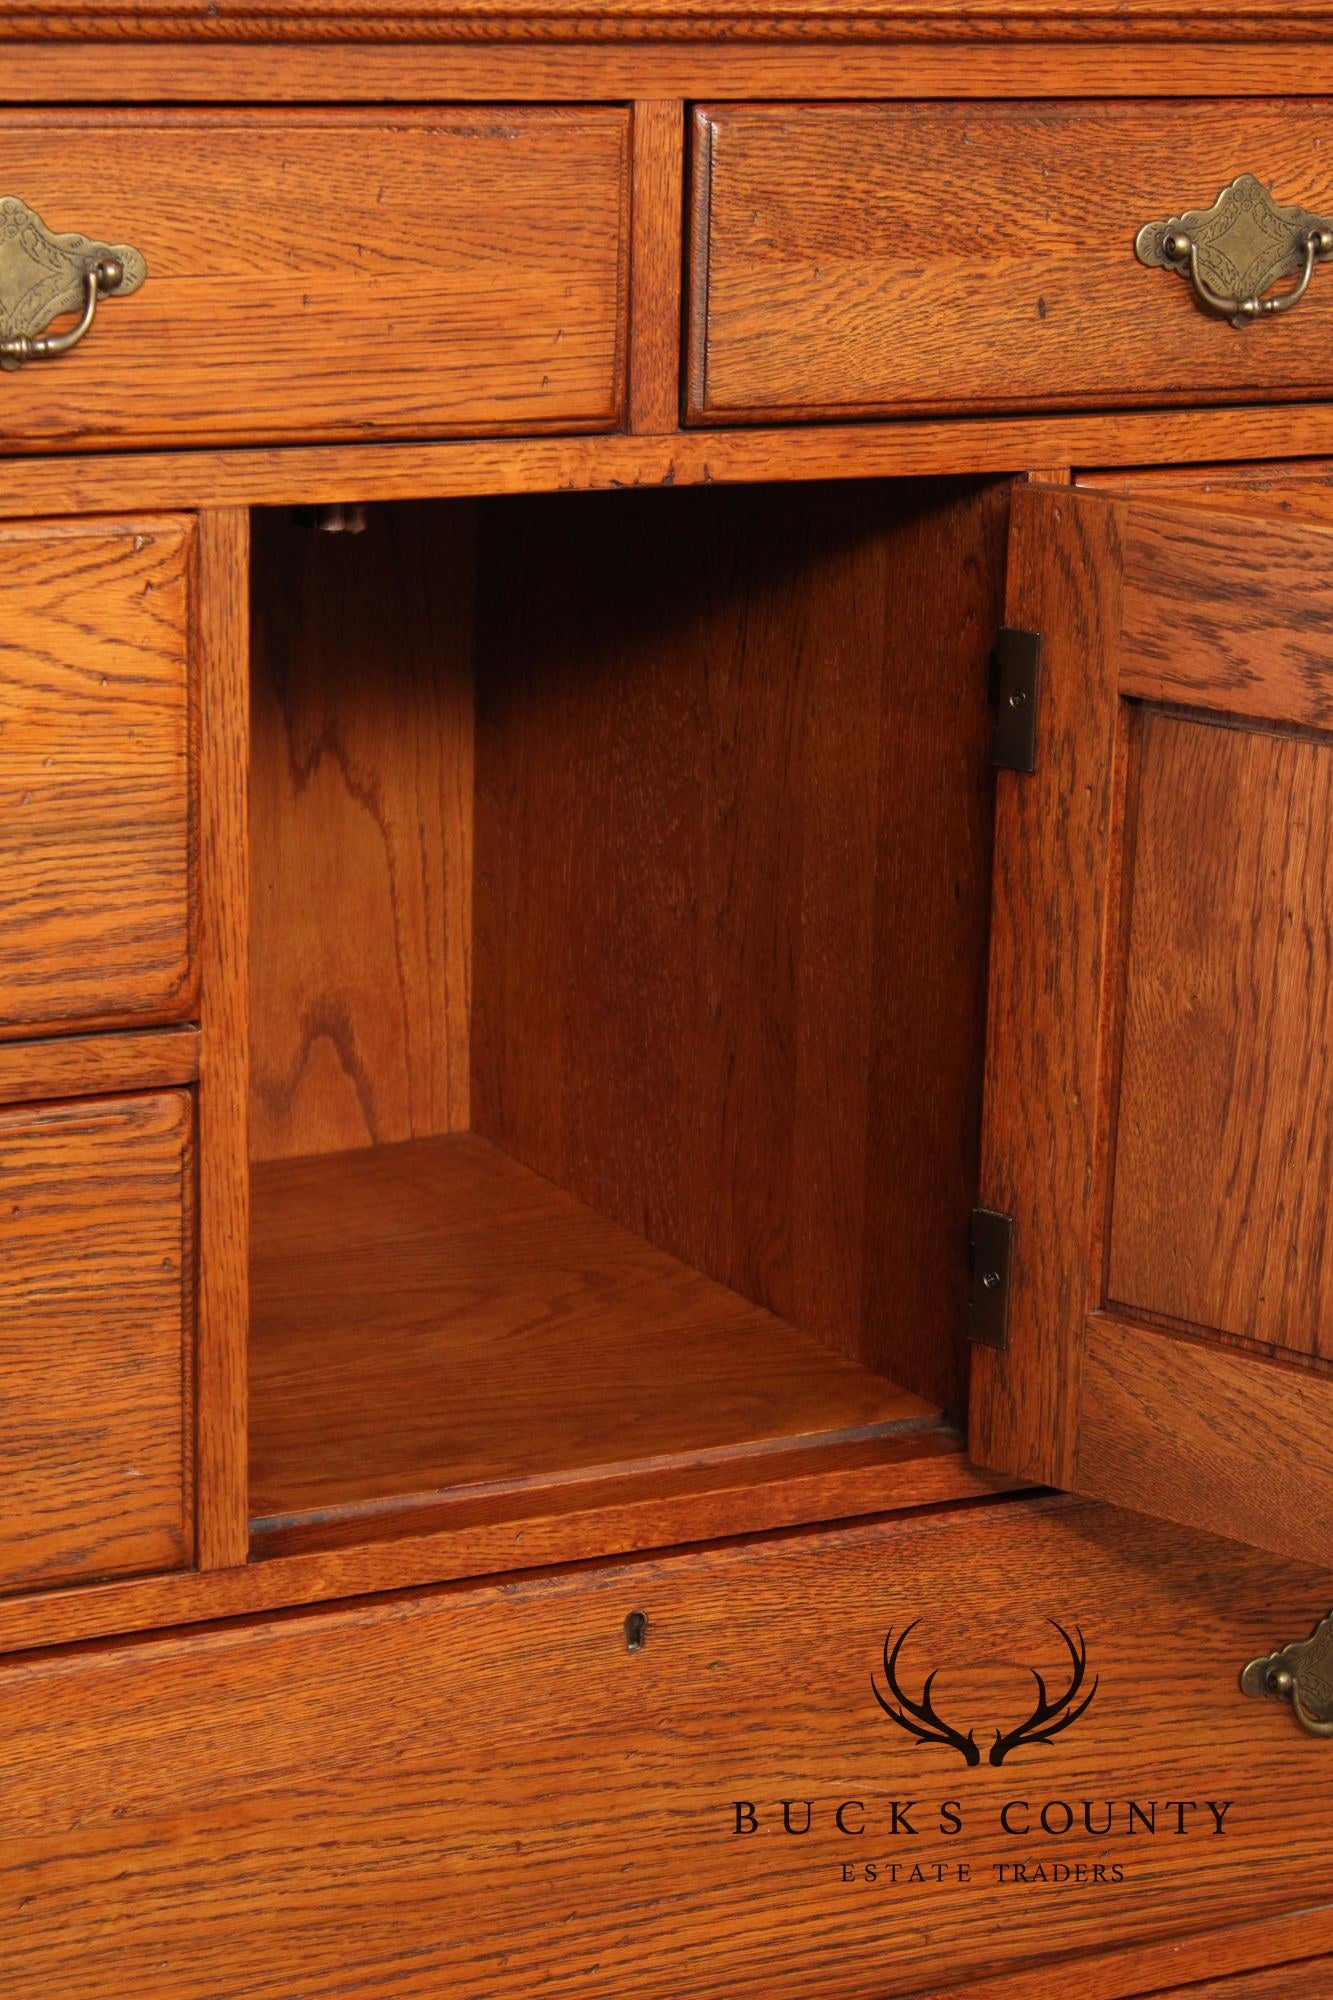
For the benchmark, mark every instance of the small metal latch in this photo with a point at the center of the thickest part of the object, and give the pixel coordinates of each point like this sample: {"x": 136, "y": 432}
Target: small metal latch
{"x": 346, "y": 517}
{"x": 992, "y": 1240}
{"x": 1302, "y": 1674}
{"x": 1017, "y": 681}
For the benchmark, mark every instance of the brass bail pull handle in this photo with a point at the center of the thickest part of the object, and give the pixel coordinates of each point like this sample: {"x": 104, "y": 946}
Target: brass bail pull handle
{"x": 1183, "y": 250}
{"x": 1235, "y": 251}
{"x": 103, "y": 277}
{"x": 43, "y": 276}
{"x": 1300, "y": 1674}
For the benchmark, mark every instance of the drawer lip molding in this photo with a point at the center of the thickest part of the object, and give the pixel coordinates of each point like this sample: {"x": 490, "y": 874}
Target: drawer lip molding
{"x": 342, "y": 274}
{"x": 880, "y": 259}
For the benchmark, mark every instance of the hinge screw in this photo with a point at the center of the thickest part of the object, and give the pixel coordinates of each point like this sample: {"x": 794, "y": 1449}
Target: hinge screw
{"x": 1018, "y": 699}
{"x": 990, "y": 1279}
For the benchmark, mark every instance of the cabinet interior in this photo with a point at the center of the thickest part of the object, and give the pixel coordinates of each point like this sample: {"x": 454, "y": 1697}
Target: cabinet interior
{"x": 620, "y": 874}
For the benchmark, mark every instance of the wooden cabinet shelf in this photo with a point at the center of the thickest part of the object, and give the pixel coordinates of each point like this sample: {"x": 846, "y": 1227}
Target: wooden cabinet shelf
{"x": 433, "y": 1318}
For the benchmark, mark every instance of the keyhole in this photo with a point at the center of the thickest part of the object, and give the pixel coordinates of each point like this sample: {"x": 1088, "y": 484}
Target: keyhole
{"x": 636, "y": 1631}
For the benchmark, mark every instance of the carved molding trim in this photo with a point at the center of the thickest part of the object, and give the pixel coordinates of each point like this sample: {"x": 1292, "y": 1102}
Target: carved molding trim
{"x": 583, "y": 21}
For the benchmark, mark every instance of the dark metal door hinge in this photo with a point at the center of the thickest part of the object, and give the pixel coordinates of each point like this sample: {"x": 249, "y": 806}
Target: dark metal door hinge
{"x": 992, "y": 1241}
{"x": 1016, "y": 665}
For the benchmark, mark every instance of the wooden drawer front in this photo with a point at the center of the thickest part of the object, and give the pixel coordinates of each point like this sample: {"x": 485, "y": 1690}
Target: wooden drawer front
{"x": 483, "y": 1792}
{"x": 95, "y": 920}
{"x": 870, "y": 259}
{"x": 332, "y": 274}
{"x": 94, "y": 1338}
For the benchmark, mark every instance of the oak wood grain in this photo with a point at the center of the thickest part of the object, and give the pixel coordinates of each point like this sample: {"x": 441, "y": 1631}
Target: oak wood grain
{"x": 834, "y": 242}
{"x": 307, "y": 475}
{"x": 333, "y": 273}
{"x": 361, "y": 831}
{"x": 701, "y": 1497}
{"x": 581, "y": 20}
{"x": 432, "y": 1317}
{"x": 1257, "y": 583}
{"x": 1230, "y": 1442}
{"x": 1128, "y": 1972}
{"x": 95, "y": 783}
{"x": 732, "y": 847}
{"x": 1225, "y": 1105}
{"x": 1053, "y": 899}
{"x": 1277, "y": 1982}
{"x": 378, "y": 72}
{"x": 97, "y": 1065}
{"x": 95, "y": 1338}
{"x": 223, "y": 671}
{"x": 414, "y": 1795}
{"x": 1290, "y": 482}
{"x": 655, "y": 269}
{"x": 1155, "y": 1105}
{"x": 572, "y": 1522}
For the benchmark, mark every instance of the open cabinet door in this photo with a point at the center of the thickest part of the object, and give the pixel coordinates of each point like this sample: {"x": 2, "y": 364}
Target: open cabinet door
{"x": 1159, "y": 1095}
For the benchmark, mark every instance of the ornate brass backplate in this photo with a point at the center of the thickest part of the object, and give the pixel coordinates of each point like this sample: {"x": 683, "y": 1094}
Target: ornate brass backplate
{"x": 43, "y": 275}
{"x": 1301, "y": 1674}
{"x": 1235, "y": 250}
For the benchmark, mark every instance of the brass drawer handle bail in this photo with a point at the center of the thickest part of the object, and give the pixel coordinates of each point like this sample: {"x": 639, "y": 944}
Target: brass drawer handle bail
{"x": 1232, "y": 252}
{"x": 43, "y": 275}
{"x": 1301, "y": 1674}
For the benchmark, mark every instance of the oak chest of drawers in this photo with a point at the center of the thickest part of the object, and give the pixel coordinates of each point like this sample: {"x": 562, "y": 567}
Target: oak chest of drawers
{"x": 665, "y": 988}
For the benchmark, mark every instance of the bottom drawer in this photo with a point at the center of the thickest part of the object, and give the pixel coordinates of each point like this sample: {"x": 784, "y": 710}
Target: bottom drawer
{"x": 482, "y": 1791}
{"x": 94, "y": 1338}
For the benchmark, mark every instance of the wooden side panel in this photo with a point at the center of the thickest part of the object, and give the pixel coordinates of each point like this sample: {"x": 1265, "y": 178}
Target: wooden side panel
{"x": 95, "y": 1338}
{"x": 336, "y": 274}
{"x": 732, "y": 846}
{"x": 361, "y": 830}
{"x": 1224, "y": 1139}
{"x": 859, "y": 259}
{"x": 95, "y": 806}
{"x": 483, "y": 1791}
